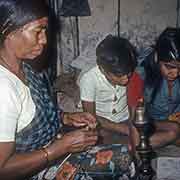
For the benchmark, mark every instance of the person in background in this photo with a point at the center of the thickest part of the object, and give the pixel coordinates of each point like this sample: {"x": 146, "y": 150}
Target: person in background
{"x": 162, "y": 82}
{"x": 110, "y": 91}
{"x": 29, "y": 121}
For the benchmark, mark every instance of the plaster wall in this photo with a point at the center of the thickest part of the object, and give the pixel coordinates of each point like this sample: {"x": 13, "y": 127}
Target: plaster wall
{"x": 141, "y": 21}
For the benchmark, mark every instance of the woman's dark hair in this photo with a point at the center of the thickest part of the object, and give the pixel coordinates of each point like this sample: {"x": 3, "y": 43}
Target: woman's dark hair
{"x": 116, "y": 55}
{"x": 167, "y": 49}
{"x": 16, "y": 13}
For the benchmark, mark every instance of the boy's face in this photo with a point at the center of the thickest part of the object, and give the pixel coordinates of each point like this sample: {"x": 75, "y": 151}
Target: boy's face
{"x": 117, "y": 79}
{"x": 170, "y": 70}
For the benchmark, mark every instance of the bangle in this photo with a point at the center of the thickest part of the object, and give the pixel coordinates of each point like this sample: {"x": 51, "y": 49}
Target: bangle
{"x": 46, "y": 154}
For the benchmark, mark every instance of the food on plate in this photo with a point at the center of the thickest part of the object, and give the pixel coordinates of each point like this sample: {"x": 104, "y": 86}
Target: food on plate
{"x": 103, "y": 157}
{"x": 66, "y": 172}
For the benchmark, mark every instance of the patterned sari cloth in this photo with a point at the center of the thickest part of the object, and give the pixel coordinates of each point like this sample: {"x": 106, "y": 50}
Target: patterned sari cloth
{"x": 46, "y": 123}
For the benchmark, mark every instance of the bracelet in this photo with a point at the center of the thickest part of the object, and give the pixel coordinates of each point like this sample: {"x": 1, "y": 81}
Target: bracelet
{"x": 46, "y": 154}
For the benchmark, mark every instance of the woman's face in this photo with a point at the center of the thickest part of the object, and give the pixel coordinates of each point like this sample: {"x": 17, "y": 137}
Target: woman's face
{"x": 169, "y": 70}
{"x": 29, "y": 41}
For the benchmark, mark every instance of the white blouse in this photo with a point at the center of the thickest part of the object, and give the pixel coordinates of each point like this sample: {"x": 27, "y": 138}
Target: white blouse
{"x": 17, "y": 108}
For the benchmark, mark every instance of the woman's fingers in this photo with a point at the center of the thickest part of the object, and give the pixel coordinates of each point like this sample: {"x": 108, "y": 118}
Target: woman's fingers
{"x": 80, "y": 139}
{"x": 86, "y": 136}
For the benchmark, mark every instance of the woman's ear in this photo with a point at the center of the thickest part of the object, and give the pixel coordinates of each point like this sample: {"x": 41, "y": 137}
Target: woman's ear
{"x": 10, "y": 36}
{"x": 8, "y": 40}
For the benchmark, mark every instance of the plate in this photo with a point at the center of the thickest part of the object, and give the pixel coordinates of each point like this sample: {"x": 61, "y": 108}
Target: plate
{"x": 104, "y": 161}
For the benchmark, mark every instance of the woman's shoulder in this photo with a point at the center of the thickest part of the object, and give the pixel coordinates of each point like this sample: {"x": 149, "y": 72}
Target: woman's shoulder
{"x": 7, "y": 78}
{"x": 10, "y": 86}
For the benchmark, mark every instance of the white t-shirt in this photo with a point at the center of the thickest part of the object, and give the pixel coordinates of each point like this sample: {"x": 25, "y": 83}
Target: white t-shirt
{"x": 16, "y": 106}
{"x": 111, "y": 102}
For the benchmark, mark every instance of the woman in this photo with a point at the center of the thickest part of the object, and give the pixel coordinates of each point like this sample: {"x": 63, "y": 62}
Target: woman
{"x": 29, "y": 121}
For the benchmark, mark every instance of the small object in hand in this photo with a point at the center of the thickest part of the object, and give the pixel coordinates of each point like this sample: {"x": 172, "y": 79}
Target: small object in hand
{"x": 66, "y": 172}
{"x": 87, "y": 128}
{"x": 103, "y": 157}
{"x": 91, "y": 127}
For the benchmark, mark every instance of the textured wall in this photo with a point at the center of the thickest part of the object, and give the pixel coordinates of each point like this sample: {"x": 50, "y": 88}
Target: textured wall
{"x": 140, "y": 21}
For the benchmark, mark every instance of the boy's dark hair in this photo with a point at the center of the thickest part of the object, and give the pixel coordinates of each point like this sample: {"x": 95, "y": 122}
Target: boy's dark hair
{"x": 16, "y": 13}
{"x": 116, "y": 55}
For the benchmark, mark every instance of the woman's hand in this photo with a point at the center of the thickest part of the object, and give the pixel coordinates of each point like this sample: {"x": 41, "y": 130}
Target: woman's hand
{"x": 80, "y": 119}
{"x": 74, "y": 141}
{"x": 79, "y": 140}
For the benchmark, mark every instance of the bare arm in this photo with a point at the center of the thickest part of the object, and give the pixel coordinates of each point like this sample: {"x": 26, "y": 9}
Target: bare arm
{"x": 15, "y": 166}
{"x": 104, "y": 122}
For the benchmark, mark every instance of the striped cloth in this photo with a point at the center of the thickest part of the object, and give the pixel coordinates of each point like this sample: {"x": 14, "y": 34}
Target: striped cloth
{"x": 46, "y": 123}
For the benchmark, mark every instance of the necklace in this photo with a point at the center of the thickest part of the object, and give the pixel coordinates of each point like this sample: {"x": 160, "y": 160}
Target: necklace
{"x": 20, "y": 74}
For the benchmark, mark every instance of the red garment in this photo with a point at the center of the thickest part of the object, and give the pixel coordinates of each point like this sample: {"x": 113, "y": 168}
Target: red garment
{"x": 135, "y": 89}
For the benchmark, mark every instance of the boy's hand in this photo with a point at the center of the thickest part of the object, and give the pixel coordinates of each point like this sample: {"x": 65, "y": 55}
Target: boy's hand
{"x": 134, "y": 138}
{"x": 80, "y": 119}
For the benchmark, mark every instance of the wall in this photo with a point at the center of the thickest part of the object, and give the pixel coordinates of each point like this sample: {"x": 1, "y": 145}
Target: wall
{"x": 140, "y": 21}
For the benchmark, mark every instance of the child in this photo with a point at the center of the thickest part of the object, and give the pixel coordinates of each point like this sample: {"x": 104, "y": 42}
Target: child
{"x": 162, "y": 82}
{"x": 103, "y": 89}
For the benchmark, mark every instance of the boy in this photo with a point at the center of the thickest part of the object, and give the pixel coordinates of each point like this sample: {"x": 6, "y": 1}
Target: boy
{"x": 103, "y": 89}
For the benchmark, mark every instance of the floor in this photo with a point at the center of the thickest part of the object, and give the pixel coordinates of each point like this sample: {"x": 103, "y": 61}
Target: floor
{"x": 167, "y": 163}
